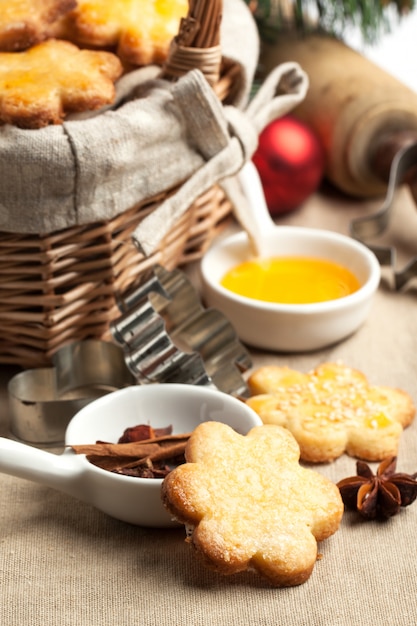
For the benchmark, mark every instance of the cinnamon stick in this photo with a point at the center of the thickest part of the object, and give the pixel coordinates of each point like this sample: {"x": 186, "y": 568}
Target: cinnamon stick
{"x": 133, "y": 455}
{"x": 137, "y": 449}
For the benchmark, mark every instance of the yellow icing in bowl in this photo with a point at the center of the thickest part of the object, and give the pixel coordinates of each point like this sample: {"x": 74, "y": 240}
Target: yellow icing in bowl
{"x": 291, "y": 280}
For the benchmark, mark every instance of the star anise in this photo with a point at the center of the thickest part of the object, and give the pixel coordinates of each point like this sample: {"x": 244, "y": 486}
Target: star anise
{"x": 379, "y": 495}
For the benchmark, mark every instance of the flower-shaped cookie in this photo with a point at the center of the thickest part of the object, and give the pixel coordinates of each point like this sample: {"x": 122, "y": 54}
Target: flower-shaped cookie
{"x": 251, "y": 504}
{"x": 38, "y": 86}
{"x": 140, "y": 31}
{"x": 23, "y": 23}
{"x": 332, "y": 410}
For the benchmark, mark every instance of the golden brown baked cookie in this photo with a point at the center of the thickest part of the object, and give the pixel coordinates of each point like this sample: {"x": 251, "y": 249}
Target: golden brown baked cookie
{"x": 141, "y": 31}
{"x": 331, "y": 410}
{"x": 250, "y": 503}
{"x": 24, "y": 23}
{"x": 40, "y": 85}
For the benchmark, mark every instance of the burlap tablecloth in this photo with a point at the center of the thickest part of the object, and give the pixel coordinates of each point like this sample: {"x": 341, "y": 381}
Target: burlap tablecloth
{"x": 64, "y": 563}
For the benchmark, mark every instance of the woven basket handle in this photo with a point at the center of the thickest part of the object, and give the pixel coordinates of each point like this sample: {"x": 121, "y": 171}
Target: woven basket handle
{"x": 197, "y": 45}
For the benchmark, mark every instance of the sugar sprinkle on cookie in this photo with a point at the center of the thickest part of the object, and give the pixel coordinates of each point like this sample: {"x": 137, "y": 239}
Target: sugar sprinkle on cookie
{"x": 332, "y": 410}
{"x": 249, "y": 505}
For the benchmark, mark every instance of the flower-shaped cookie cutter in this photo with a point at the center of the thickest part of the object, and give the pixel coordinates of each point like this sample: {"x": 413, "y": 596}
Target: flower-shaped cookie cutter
{"x": 403, "y": 168}
{"x": 168, "y": 336}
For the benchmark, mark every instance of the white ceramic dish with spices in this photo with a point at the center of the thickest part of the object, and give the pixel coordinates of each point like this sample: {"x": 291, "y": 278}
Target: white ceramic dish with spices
{"x": 288, "y": 326}
{"x": 127, "y": 498}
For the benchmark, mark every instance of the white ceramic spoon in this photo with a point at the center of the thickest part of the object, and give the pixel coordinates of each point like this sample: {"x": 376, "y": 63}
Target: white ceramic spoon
{"x": 252, "y": 212}
{"x": 130, "y": 499}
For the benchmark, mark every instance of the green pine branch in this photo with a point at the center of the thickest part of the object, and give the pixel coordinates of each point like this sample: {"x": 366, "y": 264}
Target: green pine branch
{"x": 332, "y": 16}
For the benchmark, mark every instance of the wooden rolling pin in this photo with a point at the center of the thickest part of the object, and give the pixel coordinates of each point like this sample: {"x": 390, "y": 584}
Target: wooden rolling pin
{"x": 363, "y": 115}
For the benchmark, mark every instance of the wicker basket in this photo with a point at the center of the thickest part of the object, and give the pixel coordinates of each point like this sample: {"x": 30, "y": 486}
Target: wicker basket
{"x": 63, "y": 286}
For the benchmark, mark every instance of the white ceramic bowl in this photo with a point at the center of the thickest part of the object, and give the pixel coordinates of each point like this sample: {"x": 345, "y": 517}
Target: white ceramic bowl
{"x": 130, "y": 499}
{"x": 292, "y": 327}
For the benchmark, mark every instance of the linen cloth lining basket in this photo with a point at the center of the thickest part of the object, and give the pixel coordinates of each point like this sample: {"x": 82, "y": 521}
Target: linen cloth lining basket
{"x": 62, "y": 286}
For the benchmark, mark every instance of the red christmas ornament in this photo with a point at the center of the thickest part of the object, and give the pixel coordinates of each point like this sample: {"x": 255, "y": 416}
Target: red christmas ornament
{"x": 290, "y": 162}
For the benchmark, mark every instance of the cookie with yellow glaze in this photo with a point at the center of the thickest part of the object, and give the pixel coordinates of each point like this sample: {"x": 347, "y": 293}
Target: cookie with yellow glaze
{"x": 332, "y": 410}
{"x": 250, "y": 504}
{"x": 140, "y": 31}
{"x": 24, "y": 23}
{"x": 41, "y": 85}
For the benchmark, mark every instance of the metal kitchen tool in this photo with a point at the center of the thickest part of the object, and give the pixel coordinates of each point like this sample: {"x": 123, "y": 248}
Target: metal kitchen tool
{"x": 43, "y": 401}
{"x": 90, "y": 367}
{"x": 404, "y": 164}
{"x": 168, "y": 336}
{"x": 164, "y": 335}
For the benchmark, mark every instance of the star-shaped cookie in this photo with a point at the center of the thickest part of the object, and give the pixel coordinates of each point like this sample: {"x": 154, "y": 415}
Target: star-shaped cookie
{"x": 331, "y": 410}
{"x": 251, "y": 504}
{"x": 41, "y": 85}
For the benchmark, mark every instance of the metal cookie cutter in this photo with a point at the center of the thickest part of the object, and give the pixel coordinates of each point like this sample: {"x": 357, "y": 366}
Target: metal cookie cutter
{"x": 42, "y": 401}
{"x": 364, "y": 228}
{"x": 168, "y": 336}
